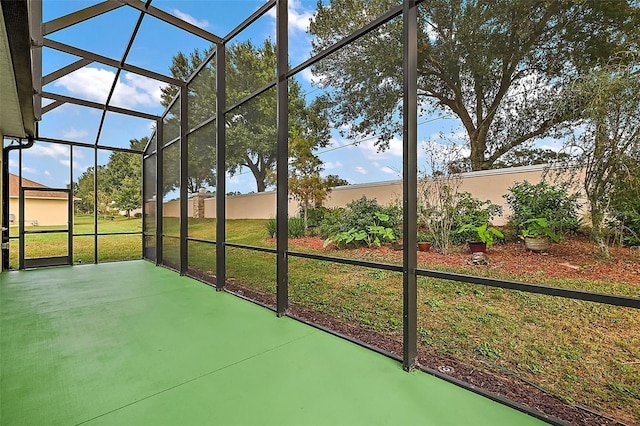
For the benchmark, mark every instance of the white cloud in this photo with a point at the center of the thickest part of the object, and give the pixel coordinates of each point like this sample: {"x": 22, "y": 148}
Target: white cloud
{"x": 47, "y": 173}
{"x": 94, "y": 84}
{"x": 75, "y": 134}
{"x": 299, "y": 17}
{"x": 313, "y": 79}
{"x": 370, "y": 150}
{"x": 361, "y": 170}
{"x": 388, "y": 170}
{"x": 50, "y": 150}
{"x": 89, "y": 82}
{"x": 331, "y": 165}
{"x": 148, "y": 85}
{"x": 190, "y": 19}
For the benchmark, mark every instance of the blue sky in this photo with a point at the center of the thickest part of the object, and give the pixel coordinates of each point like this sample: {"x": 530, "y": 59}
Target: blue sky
{"x": 155, "y": 45}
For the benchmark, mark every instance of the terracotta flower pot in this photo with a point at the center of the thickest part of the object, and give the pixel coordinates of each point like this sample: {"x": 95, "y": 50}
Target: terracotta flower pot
{"x": 424, "y": 246}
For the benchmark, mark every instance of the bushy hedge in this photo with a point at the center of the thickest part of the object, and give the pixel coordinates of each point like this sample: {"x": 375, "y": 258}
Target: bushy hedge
{"x": 552, "y": 202}
{"x": 359, "y": 214}
{"x": 363, "y": 221}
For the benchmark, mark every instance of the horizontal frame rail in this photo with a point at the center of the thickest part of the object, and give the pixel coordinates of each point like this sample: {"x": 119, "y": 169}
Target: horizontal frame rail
{"x": 345, "y": 261}
{"x": 609, "y": 299}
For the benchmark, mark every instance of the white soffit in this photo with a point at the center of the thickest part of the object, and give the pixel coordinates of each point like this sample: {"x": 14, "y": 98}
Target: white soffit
{"x": 10, "y": 114}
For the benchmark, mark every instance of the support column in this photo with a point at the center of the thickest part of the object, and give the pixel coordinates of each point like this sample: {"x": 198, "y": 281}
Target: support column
{"x": 410, "y": 182}
{"x": 282, "y": 119}
{"x": 184, "y": 176}
{"x": 159, "y": 189}
{"x": 221, "y": 166}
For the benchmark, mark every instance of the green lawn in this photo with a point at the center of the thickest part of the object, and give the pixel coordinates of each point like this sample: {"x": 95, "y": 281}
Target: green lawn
{"x": 110, "y": 247}
{"x": 586, "y": 353}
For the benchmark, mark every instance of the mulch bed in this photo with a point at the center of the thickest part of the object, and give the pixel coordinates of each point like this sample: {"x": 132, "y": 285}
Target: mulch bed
{"x": 572, "y": 258}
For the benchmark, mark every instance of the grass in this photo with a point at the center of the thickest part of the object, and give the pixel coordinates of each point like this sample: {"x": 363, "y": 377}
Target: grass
{"x": 110, "y": 247}
{"x": 585, "y": 353}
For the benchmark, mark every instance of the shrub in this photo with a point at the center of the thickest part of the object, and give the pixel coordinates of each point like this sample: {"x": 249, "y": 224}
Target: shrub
{"x": 331, "y": 222}
{"x": 473, "y": 213}
{"x": 137, "y": 215}
{"x": 625, "y": 205}
{"x": 271, "y": 227}
{"x": 374, "y": 234}
{"x": 296, "y": 227}
{"x": 360, "y": 215}
{"x": 552, "y": 202}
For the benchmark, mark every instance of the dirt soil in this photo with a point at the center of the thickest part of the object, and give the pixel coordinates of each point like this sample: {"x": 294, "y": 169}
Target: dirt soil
{"x": 573, "y": 258}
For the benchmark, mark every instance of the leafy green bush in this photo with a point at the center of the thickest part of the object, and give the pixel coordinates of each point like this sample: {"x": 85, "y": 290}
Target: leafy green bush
{"x": 374, "y": 234}
{"x": 296, "y": 227}
{"x": 331, "y": 222}
{"x": 552, "y": 202}
{"x": 473, "y": 214}
{"x": 483, "y": 233}
{"x": 271, "y": 227}
{"x": 625, "y": 205}
{"x": 360, "y": 215}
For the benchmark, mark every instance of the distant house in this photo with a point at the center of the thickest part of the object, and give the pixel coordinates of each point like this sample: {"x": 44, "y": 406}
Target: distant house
{"x": 41, "y": 207}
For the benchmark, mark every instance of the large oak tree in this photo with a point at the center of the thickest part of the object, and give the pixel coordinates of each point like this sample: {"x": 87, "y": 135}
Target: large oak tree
{"x": 497, "y": 65}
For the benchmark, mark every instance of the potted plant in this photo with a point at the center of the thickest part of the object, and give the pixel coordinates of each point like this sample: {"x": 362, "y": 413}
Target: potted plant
{"x": 537, "y": 234}
{"x": 480, "y": 237}
{"x": 425, "y": 240}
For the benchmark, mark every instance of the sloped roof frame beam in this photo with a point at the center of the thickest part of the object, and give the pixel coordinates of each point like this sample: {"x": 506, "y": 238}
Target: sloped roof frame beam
{"x": 117, "y": 76}
{"x": 110, "y": 62}
{"x": 96, "y": 105}
{"x": 250, "y": 20}
{"x": 170, "y": 19}
{"x": 53, "y": 105}
{"x": 79, "y": 16}
{"x": 65, "y": 70}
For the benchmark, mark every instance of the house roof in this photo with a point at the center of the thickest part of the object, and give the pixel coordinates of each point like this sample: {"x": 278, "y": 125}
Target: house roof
{"x": 14, "y": 189}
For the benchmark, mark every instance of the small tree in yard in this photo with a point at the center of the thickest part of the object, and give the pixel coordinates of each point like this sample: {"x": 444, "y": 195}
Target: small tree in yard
{"x": 437, "y": 194}
{"x": 610, "y": 96}
{"x": 128, "y": 197}
{"x": 305, "y": 183}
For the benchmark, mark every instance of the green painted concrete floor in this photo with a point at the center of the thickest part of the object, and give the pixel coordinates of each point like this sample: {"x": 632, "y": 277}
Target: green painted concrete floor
{"x": 134, "y": 344}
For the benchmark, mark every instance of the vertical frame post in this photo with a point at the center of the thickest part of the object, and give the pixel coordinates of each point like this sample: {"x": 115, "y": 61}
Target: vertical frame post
{"x": 20, "y": 213}
{"x": 221, "y": 166}
{"x": 282, "y": 125}
{"x": 184, "y": 176}
{"x": 70, "y": 207}
{"x": 95, "y": 205}
{"x": 159, "y": 189}
{"x": 145, "y": 197}
{"x": 410, "y": 181}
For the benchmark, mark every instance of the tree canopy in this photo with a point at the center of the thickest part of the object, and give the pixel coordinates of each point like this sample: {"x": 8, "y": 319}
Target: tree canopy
{"x": 608, "y": 142}
{"x": 251, "y": 127}
{"x": 119, "y": 183}
{"x": 497, "y": 65}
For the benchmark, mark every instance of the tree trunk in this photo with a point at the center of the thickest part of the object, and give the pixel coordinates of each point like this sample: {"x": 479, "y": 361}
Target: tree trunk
{"x": 597, "y": 232}
{"x": 476, "y": 157}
